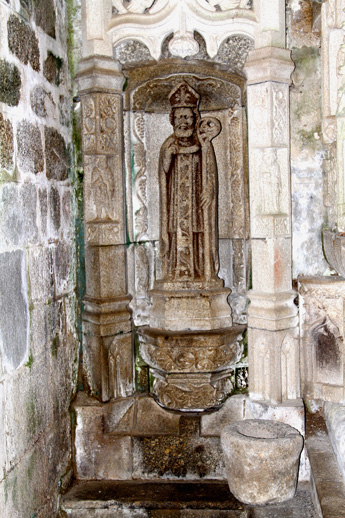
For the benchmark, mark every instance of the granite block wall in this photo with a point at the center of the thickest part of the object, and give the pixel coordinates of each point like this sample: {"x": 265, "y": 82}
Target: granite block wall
{"x": 38, "y": 308}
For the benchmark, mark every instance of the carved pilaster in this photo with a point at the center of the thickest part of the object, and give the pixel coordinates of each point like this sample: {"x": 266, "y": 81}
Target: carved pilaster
{"x": 108, "y": 357}
{"x": 272, "y": 314}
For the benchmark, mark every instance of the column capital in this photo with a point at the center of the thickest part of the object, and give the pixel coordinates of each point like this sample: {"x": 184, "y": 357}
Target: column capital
{"x": 99, "y": 74}
{"x": 269, "y": 64}
{"x": 272, "y": 311}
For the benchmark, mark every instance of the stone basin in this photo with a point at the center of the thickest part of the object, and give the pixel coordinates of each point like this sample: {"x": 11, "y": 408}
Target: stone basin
{"x": 261, "y": 460}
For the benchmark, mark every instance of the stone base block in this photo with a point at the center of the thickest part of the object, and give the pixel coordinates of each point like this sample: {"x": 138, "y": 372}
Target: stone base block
{"x": 192, "y": 392}
{"x": 198, "y": 309}
{"x": 261, "y": 460}
{"x": 191, "y": 351}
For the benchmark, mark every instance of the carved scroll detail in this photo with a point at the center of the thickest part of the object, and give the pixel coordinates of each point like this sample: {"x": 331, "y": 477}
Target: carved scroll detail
{"x": 280, "y": 114}
{"x": 100, "y": 114}
{"x": 140, "y": 183}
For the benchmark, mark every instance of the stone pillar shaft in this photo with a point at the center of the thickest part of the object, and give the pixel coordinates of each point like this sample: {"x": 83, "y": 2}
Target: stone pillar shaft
{"x": 108, "y": 358}
{"x": 272, "y": 315}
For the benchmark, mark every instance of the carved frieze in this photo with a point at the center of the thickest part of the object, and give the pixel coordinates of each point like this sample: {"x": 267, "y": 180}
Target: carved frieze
{"x": 191, "y": 359}
{"x": 101, "y": 124}
{"x": 215, "y": 93}
{"x": 198, "y": 392}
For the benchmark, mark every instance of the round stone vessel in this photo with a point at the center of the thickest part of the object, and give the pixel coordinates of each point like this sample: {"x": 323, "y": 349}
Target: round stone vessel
{"x": 261, "y": 460}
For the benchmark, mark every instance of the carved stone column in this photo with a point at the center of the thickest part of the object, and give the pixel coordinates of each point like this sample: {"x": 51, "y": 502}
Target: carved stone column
{"x": 272, "y": 314}
{"x": 108, "y": 354}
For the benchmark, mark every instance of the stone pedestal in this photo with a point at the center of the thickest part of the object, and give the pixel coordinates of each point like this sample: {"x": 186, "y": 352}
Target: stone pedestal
{"x": 261, "y": 460}
{"x": 196, "y": 308}
{"x": 191, "y": 369}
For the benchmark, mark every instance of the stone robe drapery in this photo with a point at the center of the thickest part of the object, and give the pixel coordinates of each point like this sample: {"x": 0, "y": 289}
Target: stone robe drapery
{"x": 183, "y": 228}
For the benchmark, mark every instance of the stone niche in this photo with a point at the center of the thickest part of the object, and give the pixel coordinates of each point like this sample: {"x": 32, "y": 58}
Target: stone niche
{"x": 210, "y": 324}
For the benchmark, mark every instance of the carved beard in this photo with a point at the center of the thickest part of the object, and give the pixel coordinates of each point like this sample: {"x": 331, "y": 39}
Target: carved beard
{"x": 183, "y": 131}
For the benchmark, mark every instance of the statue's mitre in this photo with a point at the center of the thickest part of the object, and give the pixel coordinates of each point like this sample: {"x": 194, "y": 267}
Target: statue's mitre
{"x": 184, "y": 96}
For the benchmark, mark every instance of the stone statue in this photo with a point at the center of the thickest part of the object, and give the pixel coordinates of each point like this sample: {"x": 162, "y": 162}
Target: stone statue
{"x": 188, "y": 192}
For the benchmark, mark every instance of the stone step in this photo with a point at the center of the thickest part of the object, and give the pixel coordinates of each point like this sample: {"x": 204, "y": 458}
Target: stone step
{"x": 167, "y": 499}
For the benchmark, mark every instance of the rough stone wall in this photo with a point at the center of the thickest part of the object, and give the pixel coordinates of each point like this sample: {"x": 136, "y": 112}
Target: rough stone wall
{"x": 308, "y": 210}
{"x": 38, "y": 310}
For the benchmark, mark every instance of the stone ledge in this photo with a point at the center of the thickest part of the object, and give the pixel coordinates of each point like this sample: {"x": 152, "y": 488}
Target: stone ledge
{"x": 327, "y": 480}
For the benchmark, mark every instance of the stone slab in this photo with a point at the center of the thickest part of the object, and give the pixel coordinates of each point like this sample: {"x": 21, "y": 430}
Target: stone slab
{"x": 328, "y": 482}
{"x": 207, "y": 499}
{"x": 335, "y": 420}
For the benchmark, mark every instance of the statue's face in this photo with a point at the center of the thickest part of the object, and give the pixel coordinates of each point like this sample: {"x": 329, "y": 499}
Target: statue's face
{"x": 183, "y": 122}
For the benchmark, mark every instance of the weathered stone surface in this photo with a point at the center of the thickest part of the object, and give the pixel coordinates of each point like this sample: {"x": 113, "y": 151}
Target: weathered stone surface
{"x": 105, "y": 271}
{"x": 10, "y": 83}
{"x": 40, "y": 270}
{"x": 64, "y": 110}
{"x": 18, "y": 226}
{"x": 56, "y": 155}
{"x": 261, "y": 460}
{"x": 45, "y": 16}
{"x": 42, "y": 102}
{"x": 53, "y": 69}
{"x": 63, "y": 268}
{"x": 6, "y": 143}
{"x": 54, "y": 210}
{"x": 233, "y": 410}
{"x": 23, "y": 42}
{"x": 111, "y": 456}
{"x": 335, "y": 419}
{"x": 30, "y": 152}
{"x": 14, "y": 331}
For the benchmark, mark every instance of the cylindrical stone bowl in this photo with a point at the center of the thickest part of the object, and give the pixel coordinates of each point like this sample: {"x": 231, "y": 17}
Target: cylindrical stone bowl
{"x": 261, "y": 460}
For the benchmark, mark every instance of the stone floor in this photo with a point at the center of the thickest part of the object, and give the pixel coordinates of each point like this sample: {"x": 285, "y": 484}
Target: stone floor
{"x": 166, "y": 499}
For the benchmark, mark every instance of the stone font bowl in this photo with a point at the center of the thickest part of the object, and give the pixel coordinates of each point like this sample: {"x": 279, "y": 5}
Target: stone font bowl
{"x": 261, "y": 460}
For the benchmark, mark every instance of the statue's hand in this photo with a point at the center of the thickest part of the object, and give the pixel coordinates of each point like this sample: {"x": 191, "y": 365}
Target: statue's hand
{"x": 168, "y": 150}
{"x": 208, "y": 128}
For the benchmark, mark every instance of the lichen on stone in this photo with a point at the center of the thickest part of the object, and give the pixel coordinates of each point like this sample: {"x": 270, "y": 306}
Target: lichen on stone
{"x": 53, "y": 68}
{"x": 6, "y": 143}
{"x": 10, "y": 83}
{"x": 23, "y": 42}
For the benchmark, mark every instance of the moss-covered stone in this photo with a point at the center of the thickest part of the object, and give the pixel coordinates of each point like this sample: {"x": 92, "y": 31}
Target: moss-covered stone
{"x": 45, "y": 16}
{"x": 52, "y": 69}
{"x": 6, "y": 143}
{"x": 10, "y": 83}
{"x": 30, "y": 151}
{"x": 56, "y": 155}
{"x": 23, "y": 42}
